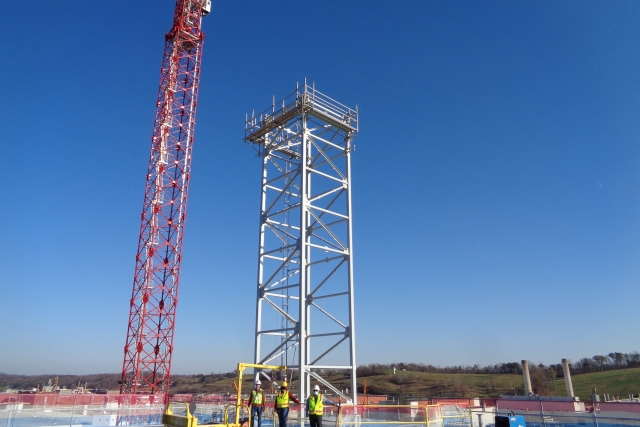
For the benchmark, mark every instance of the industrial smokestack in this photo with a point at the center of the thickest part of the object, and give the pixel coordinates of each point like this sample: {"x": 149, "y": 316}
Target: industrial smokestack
{"x": 567, "y": 377}
{"x": 527, "y": 379}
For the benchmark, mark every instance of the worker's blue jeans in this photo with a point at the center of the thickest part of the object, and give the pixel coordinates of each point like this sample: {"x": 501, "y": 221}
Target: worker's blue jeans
{"x": 283, "y": 413}
{"x": 256, "y": 411}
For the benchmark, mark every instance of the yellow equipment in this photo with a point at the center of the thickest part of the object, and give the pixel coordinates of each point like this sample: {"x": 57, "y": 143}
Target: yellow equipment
{"x": 171, "y": 420}
{"x": 239, "y": 404}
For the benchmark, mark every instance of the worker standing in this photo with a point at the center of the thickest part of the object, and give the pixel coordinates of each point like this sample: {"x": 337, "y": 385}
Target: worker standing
{"x": 282, "y": 403}
{"x": 315, "y": 407}
{"x": 256, "y": 404}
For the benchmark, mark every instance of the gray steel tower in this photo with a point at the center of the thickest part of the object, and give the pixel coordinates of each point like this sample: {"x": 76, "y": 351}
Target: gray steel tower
{"x": 304, "y": 311}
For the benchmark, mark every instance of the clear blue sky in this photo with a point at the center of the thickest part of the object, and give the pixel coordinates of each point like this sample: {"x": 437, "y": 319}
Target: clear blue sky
{"x": 496, "y": 177}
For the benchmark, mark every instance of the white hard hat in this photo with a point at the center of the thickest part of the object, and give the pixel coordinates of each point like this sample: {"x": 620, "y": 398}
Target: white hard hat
{"x": 258, "y": 382}
{"x": 316, "y": 387}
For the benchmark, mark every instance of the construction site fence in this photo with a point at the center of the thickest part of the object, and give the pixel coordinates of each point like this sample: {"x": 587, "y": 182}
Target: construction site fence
{"x": 46, "y": 410}
{"x": 60, "y": 409}
{"x": 403, "y": 415}
{"x": 575, "y": 420}
{"x": 463, "y": 414}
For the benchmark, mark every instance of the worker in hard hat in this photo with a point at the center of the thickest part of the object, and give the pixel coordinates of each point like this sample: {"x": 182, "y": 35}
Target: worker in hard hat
{"x": 315, "y": 407}
{"x": 256, "y": 404}
{"x": 283, "y": 397}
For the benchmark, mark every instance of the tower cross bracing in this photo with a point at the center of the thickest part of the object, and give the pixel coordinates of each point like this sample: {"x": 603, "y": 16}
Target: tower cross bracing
{"x": 305, "y": 305}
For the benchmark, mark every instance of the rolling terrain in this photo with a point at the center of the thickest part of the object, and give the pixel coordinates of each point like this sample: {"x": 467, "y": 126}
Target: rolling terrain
{"x": 406, "y": 384}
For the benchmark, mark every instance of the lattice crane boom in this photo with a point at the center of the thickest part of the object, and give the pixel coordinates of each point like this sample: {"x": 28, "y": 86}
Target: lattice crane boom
{"x": 149, "y": 346}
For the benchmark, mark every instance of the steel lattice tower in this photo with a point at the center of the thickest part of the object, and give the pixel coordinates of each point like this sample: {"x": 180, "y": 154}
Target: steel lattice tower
{"x": 149, "y": 345}
{"x": 305, "y": 264}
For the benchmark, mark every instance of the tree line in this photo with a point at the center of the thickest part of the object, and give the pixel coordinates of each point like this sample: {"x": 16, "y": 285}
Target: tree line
{"x": 585, "y": 365}
{"x": 607, "y": 362}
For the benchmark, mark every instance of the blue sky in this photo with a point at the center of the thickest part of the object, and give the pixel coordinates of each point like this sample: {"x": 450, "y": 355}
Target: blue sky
{"x": 496, "y": 179}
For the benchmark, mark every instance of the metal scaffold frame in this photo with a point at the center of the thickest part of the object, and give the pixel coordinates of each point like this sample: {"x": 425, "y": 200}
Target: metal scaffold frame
{"x": 305, "y": 262}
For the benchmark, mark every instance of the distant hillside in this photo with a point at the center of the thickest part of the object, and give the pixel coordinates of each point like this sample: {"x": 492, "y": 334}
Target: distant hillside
{"x": 25, "y": 382}
{"x": 620, "y": 382}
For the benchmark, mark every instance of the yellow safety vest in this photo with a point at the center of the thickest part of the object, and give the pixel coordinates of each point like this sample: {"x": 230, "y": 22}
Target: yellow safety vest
{"x": 256, "y": 397}
{"x": 316, "y": 407}
{"x": 282, "y": 399}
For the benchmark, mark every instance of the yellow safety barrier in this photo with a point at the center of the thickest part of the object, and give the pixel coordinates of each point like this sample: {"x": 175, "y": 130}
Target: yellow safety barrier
{"x": 226, "y": 413}
{"x": 169, "y": 419}
{"x": 239, "y": 403}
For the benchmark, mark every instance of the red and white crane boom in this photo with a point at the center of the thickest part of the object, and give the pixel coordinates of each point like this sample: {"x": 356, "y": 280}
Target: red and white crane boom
{"x": 149, "y": 346}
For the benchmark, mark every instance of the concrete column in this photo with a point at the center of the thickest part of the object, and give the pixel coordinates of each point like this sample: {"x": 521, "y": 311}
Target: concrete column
{"x": 527, "y": 379}
{"x": 567, "y": 377}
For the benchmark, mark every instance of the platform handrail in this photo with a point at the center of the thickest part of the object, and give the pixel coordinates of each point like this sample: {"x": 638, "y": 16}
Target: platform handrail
{"x": 226, "y": 412}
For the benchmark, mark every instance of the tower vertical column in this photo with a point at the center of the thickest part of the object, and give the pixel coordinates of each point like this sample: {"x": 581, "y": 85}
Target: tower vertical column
{"x": 352, "y": 322}
{"x": 263, "y": 201}
{"x": 303, "y": 320}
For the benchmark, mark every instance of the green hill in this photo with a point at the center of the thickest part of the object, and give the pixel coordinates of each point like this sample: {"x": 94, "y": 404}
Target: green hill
{"x": 621, "y": 382}
{"x": 422, "y": 384}
{"x": 404, "y": 384}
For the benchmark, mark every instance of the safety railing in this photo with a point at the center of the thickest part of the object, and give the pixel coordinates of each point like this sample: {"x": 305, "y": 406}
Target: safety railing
{"x": 434, "y": 416}
{"x": 577, "y": 420}
{"x": 44, "y": 409}
{"x": 244, "y": 409}
{"x": 456, "y": 415}
{"x": 303, "y": 97}
{"x": 396, "y": 415}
